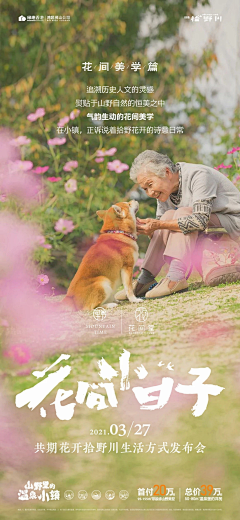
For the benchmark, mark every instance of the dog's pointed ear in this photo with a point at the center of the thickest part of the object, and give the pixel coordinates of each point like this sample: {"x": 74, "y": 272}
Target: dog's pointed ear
{"x": 101, "y": 213}
{"x": 119, "y": 211}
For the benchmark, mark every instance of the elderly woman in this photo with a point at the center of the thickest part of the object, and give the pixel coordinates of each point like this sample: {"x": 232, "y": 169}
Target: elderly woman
{"x": 190, "y": 197}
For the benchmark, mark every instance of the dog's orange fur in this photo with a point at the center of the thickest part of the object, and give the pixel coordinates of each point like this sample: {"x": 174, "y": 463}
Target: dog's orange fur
{"x": 108, "y": 263}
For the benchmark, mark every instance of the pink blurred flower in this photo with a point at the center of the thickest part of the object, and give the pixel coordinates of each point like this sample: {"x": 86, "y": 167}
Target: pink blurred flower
{"x": 74, "y": 113}
{"x": 64, "y": 226}
{"x": 20, "y": 165}
{"x": 41, "y": 169}
{"x": 15, "y": 175}
{"x": 56, "y": 141}
{"x": 19, "y": 184}
{"x": 8, "y": 152}
{"x": 41, "y": 241}
{"x": 110, "y": 152}
{"x": 40, "y": 112}
{"x": 63, "y": 121}
{"x": 19, "y": 353}
{"x": 139, "y": 262}
{"x": 70, "y": 185}
{"x": 234, "y": 150}
{"x": 70, "y": 165}
{"x": 236, "y": 179}
{"x": 18, "y": 239}
{"x": 23, "y": 306}
{"x": 223, "y": 166}
{"x": 21, "y": 140}
{"x": 136, "y": 273}
{"x": 117, "y": 166}
{"x": 54, "y": 179}
{"x": 99, "y": 159}
{"x": 3, "y": 198}
{"x": 43, "y": 279}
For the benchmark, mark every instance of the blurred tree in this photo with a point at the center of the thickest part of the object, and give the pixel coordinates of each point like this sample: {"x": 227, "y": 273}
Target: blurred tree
{"x": 42, "y": 66}
{"x": 228, "y": 139}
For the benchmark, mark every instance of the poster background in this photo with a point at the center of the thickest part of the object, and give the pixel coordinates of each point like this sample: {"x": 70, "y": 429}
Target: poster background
{"x": 198, "y": 80}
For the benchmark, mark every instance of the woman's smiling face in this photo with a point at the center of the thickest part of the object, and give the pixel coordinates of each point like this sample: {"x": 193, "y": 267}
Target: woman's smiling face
{"x": 159, "y": 187}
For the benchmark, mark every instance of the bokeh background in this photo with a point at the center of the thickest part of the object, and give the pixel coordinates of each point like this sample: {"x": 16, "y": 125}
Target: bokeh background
{"x": 51, "y": 186}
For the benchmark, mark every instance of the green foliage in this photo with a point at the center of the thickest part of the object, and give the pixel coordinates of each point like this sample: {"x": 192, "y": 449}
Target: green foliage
{"x": 228, "y": 142}
{"x": 42, "y": 67}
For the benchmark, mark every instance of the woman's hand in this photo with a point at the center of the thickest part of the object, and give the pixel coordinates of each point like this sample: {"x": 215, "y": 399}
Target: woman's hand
{"x": 147, "y": 226}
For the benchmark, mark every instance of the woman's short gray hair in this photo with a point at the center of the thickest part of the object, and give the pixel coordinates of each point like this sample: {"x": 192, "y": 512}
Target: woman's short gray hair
{"x": 151, "y": 162}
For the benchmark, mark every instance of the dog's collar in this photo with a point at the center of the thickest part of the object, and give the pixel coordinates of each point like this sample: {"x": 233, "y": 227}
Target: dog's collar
{"x": 121, "y": 232}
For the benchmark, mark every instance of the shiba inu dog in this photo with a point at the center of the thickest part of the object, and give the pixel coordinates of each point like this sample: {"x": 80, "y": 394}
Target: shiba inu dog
{"x": 108, "y": 263}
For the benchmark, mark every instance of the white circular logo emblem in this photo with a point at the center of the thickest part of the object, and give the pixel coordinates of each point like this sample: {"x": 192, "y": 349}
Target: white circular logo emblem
{"x": 99, "y": 314}
{"x": 96, "y": 494}
{"x": 123, "y": 494}
{"x": 141, "y": 314}
{"x": 82, "y": 494}
{"x": 68, "y": 494}
{"x": 110, "y": 494}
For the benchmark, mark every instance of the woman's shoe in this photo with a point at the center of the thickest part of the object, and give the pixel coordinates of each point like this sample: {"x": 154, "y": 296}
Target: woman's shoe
{"x": 139, "y": 289}
{"x": 162, "y": 288}
{"x": 225, "y": 274}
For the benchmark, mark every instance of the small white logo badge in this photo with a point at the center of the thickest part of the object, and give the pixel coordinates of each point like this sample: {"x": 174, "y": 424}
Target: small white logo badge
{"x": 68, "y": 494}
{"x": 110, "y": 494}
{"x": 141, "y": 314}
{"x": 123, "y": 494}
{"x": 82, "y": 494}
{"x": 99, "y": 314}
{"x": 96, "y": 494}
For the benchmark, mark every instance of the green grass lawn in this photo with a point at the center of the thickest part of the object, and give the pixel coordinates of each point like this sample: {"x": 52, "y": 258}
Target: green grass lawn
{"x": 197, "y": 329}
